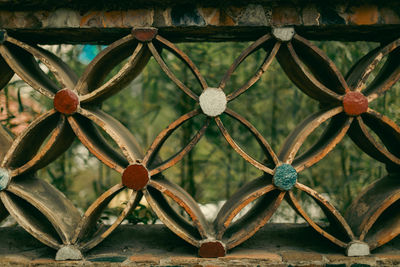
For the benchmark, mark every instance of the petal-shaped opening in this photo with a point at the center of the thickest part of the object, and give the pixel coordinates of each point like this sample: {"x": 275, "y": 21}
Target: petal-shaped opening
{"x": 338, "y": 231}
{"x": 387, "y": 76}
{"x": 271, "y": 48}
{"x": 5, "y": 142}
{"x": 358, "y": 72}
{"x": 32, "y": 138}
{"x": 64, "y": 75}
{"x": 270, "y": 159}
{"x": 387, "y": 131}
{"x": 296, "y": 139}
{"x": 99, "y": 68}
{"x": 94, "y": 141}
{"x": 31, "y": 219}
{"x": 165, "y": 135}
{"x": 128, "y": 72}
{"x": 23, "y": 59}
{"x": 42, "y": 210}
{"x": 57, "y": 143}
{"x": 320, "y": 65}
{"x": 332, "y": 135}
{"x": 118, "y": 132}
{"x": 261, "y": 199}
{"x": 90, "y": 231}
{"x": 374, "y": 215}
{"x": 6, "y": 73}
{"x": 311, "y": 71}
{"x": 27, "y": 68}
{"x": 160, "y": 42}
{"x": 192, "y": 226}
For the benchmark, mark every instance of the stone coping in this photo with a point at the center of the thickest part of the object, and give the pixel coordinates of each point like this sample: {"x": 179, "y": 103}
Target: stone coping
{"x": 314, "y": 20}
{"x": 125, "y": 4}
{"x": 155, "y": 245}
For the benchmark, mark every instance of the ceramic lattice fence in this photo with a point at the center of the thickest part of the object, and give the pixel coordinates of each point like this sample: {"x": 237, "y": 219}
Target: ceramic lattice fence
{"x": 49, "y": 216}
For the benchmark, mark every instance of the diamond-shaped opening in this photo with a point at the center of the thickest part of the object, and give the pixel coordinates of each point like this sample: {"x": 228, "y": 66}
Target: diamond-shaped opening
{"x": 181, "y": 70}
{"x": 245, "y": 139}
{"x": 179, "y": 140}
{"x": 148, "y": 104}
{"x": 266, "y": 106}
{"x": 285, "y": 214}
{"x": 212, "y": 172}
{"x": 80, "y": 175}
{"x": 213, "y": 59}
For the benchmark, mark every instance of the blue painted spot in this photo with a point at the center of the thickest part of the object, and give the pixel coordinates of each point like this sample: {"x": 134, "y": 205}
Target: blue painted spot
{"x": 285, "y": 177}
{"x": 4, "y": 178}
{"x": 89, "y": 52}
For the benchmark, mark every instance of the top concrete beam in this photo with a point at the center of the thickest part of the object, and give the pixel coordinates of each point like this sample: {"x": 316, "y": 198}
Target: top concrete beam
{"x": 350, "y": 22}
{"x": 129, "y": 4}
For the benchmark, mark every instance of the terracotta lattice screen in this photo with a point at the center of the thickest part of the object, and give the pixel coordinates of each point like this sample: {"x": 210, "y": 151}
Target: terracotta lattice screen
{"x": 49, "y": 216}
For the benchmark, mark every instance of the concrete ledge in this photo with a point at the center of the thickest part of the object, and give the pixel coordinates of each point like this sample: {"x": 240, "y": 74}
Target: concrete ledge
{"x": 188, "y": 22}
{"x": 140, "y": 245}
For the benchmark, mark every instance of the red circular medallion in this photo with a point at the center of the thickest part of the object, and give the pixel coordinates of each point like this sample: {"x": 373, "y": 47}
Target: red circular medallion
{"x": 66, "y": 101}
{"x": 135, "y": 176}
{"x": 212, "y": 249}
{"x": 144, "y": 34}
{"x": 355, "y": 103}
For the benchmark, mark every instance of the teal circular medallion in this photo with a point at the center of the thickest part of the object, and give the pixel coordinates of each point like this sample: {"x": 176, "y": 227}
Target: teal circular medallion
{"x": 285, "y": 177}
{"x": 4, "y": 178}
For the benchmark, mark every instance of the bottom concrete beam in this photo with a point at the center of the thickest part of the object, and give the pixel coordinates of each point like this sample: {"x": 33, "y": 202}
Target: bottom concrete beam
{"x": 155, "y": 245}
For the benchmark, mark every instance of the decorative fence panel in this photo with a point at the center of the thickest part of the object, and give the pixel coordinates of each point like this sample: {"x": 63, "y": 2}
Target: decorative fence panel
{"x": 371, "y": 221}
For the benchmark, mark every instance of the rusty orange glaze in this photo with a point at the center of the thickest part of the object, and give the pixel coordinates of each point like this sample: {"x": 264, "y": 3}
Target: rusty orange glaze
{"x": 135, "y": 176}
{"x": 66, "y": 102}
{"x": 355, "y": 103}
{"x": 212, "y": 249}
{"x": 144, "y": 34}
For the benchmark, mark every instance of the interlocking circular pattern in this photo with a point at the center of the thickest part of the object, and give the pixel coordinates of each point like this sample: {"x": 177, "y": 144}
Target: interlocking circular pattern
{"x": 41, "y": 209}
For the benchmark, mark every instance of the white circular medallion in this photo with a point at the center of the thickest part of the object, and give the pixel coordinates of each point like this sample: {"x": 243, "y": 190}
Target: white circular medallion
{"x": 213, "y": 102}
{"x": 284, "y": 34}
